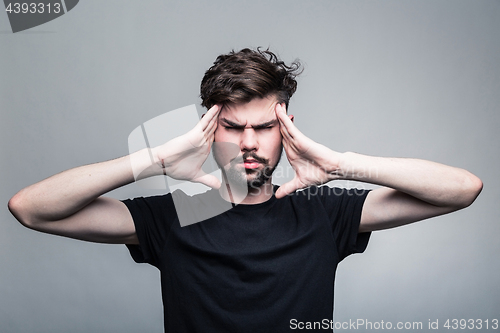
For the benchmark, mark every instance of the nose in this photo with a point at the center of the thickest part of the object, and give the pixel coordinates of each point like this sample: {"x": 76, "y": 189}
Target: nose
{"x": 249, "y": 140}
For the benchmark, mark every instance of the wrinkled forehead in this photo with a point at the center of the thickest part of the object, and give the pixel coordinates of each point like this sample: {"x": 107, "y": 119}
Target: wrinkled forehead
{"x": 257, "y": 111}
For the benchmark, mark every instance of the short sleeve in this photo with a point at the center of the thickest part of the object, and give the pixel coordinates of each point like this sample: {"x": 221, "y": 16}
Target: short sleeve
{"x": 153, "y": 218}
{"x": 344, "y": 208}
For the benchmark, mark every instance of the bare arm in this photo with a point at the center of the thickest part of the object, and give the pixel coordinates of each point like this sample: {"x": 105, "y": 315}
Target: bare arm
{"x": 71, "y": 204}
{"x": 412, "y": 189}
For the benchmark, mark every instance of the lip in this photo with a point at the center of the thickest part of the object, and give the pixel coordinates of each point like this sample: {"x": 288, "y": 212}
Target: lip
{"x": 251, "y": 164}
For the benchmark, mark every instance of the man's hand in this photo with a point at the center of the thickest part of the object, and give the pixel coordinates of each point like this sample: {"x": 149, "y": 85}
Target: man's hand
{"x": 182, "y": 157}
{"x": 313, "y": 163}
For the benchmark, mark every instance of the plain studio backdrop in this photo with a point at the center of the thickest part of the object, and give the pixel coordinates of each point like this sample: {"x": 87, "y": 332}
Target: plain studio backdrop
{"x": 389, "y": 78}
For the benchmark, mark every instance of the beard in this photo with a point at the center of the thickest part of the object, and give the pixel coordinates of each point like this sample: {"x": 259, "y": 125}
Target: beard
{"x": 253, "y": 178}
{"x": 236, "y": 174}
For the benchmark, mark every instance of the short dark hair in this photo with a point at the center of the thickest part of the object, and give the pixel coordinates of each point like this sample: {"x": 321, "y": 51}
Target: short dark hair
{"x": 239, "y": 77}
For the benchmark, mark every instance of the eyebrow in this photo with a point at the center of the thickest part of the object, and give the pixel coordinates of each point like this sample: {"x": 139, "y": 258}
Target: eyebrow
{"x": 258, "y": 126}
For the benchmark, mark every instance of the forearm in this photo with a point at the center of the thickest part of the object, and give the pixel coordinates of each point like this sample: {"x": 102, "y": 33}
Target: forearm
{"x": 66, "y": 193}
{"x": 431, "y": 182}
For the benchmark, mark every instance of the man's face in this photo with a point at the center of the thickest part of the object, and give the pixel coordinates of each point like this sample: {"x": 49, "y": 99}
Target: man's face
{"x": 254, "y": 128}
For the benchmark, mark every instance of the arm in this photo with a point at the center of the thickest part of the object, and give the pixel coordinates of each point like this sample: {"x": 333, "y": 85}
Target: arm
{"x": 70, "y": 203}
{"x": 412, "y": 189}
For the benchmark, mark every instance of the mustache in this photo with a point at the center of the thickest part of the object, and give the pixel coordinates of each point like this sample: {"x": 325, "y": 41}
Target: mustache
{"x": 250, "y": 155}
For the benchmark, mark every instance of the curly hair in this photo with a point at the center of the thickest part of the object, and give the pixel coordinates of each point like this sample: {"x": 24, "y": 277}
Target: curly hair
{"x": 239, "y": 77}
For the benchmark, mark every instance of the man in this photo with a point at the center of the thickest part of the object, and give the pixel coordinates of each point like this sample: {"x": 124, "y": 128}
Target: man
{"x": 268, "y": 262}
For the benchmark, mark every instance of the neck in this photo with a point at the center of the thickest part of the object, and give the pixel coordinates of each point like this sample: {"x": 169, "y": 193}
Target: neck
{"x": 246, "y": 195}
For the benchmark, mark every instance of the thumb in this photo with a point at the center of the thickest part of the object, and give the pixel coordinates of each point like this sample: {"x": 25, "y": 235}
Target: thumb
{"x": 289, "y": 187}
{"x": 209, "y": 180}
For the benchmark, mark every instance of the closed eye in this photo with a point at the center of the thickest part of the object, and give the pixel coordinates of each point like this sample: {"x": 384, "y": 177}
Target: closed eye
{"x": 257, "y": 128}
{"x": 229, "y": 125}
{"x": 234, "y": 128}
{"x": 263, "y": 128}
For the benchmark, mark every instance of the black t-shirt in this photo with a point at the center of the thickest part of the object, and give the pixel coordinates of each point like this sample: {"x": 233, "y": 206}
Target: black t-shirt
{"x": 253, "y": 268}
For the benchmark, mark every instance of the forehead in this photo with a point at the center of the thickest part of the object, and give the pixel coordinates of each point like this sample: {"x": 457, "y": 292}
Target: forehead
{"x": 258, "y": 110}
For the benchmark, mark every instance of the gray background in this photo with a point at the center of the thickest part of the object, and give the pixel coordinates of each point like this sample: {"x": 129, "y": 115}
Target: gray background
{"x": 389, "y": 78}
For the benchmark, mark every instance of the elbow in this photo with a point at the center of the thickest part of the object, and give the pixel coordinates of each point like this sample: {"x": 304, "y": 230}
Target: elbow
{"x": 471, "y": 188}
{"x": 16, "y": 208}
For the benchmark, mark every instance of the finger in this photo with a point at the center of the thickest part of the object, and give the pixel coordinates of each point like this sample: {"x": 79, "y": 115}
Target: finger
{"x": 288, "y": 188}
{"x": 279, "y": 115}
{"x": 287, "y": 123}
{"x": 209, "y": 117}
{"x": 284, "y": 133}
{"x": 282, "y": 117}
{"x": 285, "y": 142}
{"x": 215, "y": 120}
{"x": 210, "y": 138}
{"x": 281, "y": 112}
{"x": 210, "y": 130}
